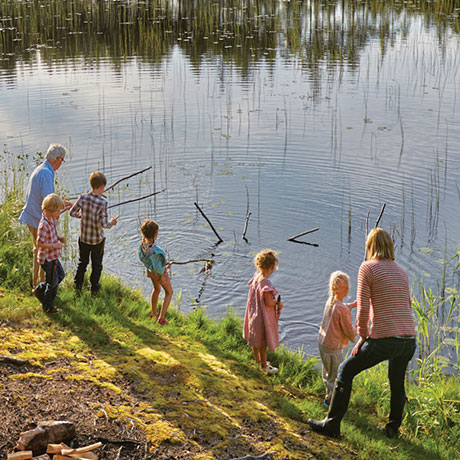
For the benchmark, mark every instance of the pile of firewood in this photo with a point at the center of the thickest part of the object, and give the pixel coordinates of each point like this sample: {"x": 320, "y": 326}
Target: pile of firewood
{"x": 59, "y": 452}
{"x": 40, "y": 443}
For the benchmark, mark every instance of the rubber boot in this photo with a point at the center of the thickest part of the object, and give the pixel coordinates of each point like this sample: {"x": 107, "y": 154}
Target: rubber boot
{"x": 397, "y": 403}
{"x": 330, "y": 426}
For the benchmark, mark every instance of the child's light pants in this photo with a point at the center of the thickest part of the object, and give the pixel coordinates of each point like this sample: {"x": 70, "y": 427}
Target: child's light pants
{"x": 331, "y": 360}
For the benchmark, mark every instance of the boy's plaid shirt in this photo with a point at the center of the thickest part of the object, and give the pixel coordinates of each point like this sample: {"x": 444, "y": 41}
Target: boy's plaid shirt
{"x": 47, "y": 233}
{"x": 92, "y": 210}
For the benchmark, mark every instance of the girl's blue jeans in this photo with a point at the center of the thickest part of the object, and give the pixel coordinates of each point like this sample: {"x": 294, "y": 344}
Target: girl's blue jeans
{"x": 54, "y": 274}
{"x": 398, "y": 352}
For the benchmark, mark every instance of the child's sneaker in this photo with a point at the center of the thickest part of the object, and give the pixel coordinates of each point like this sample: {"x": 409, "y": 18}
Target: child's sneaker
{"x": 269, "y": 369}
{"x": 327, "y": 401}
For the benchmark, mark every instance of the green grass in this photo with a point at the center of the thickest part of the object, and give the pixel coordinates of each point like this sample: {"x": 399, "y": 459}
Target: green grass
{"x": 116, "y": 321}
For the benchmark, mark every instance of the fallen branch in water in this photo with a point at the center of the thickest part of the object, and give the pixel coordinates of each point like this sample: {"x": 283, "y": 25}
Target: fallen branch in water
{"x": 292, "y": 238}
{"x": 126, "y": 178}
{"x": 209, "y": 222}
{"x": 135, "y": 199}
{"x": 304, "y": 242}
{"x": 245, "y": 229}
{"x": 209, "y": 261}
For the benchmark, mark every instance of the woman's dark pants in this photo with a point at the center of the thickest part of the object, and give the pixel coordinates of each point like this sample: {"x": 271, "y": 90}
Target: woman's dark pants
{"x": 398, "y": 352}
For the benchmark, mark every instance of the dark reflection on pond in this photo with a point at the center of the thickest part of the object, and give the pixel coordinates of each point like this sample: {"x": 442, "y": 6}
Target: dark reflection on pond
{"x": 312, "y": 31}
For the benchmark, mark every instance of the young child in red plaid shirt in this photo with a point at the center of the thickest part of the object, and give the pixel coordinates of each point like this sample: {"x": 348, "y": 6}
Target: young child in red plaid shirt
{"x": 49, "y": 245}
{"x": 91, "y": 208}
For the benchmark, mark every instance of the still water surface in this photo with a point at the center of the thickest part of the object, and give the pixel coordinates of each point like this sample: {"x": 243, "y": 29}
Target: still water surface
{"x": 305, "y": 114}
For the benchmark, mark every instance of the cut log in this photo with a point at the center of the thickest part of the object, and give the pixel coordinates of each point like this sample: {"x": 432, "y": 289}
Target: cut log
{"x": 24, "y": 455}
{"x": 42, "y": 457}
{"x": 56, "y": 448}
{"x": 80, "y": 450}
{"x": 48, "y": 432}
{"x": 87, "y": 455}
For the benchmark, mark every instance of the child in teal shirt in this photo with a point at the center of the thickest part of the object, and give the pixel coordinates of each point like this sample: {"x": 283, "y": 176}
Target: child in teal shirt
{"x": 154, "y": 260}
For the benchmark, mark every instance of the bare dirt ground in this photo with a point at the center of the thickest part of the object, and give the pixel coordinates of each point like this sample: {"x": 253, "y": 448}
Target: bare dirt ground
{"x": 29, "y": 400}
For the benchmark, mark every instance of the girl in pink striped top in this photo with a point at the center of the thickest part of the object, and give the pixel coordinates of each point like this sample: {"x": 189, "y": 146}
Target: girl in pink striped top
{"x": 384, "y": 300}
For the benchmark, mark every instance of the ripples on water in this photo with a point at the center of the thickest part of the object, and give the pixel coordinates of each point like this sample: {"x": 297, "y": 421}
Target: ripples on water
{"x": 315, "y": 125}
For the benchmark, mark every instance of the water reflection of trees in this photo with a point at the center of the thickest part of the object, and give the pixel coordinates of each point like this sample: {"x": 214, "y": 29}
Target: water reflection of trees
{"x": 241, "y": 33}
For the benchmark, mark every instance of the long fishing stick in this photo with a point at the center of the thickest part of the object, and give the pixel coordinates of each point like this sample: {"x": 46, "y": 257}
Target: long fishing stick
{"x": 126, "y": 178}
{"x": 135, "y": 199}
{"x": 110, "y": 187}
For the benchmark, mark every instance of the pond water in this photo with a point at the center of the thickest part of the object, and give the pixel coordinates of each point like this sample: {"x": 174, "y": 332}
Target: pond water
{"x": 305, "y": 114}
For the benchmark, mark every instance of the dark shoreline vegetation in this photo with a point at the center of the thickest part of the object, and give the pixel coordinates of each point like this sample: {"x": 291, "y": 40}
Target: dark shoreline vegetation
{"x": 114, "y": 327}
{"x": 335, "y": 31}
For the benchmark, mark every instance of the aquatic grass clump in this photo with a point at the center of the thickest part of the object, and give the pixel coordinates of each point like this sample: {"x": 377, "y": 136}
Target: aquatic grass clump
{"x": 16, "y": 249}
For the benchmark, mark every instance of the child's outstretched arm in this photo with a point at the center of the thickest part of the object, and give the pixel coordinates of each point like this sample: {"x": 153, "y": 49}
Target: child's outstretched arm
{"x": 75, "y": 210}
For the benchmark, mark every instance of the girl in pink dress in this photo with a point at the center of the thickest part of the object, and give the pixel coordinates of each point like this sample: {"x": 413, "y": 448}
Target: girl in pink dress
{"x": 263, "y": 310}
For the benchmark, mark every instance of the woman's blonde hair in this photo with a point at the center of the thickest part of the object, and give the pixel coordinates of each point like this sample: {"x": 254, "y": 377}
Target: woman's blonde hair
{"x": 266, "y": 259}
{"x": 336, "y": 279}
{"x": 379, "y": 245}
{"x": 52, "y": 203}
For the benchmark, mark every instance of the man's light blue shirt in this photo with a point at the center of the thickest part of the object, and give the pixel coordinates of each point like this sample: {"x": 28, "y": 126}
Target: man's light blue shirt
{"x": 41, "y": 184}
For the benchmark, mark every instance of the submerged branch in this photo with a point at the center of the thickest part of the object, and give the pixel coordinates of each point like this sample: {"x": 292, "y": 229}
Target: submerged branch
{"x": 209, "y": 222}
{"x": 209, "y": 261}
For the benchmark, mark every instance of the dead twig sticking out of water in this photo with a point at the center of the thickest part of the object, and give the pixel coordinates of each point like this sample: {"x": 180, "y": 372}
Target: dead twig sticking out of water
{"x": 375, "y": 225}
{"x": 136, "y": 199}
{"x": 209, "y": 222}
{"x": 126, "y": 178}
{"x": 292, "y": 238}
{"x": 243, "y": 236}
{"x": 380, "y": 215}
{"x": 367, "y": 233}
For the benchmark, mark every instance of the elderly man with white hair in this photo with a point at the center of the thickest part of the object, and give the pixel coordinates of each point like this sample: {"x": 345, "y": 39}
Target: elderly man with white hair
{"x": 41, "y": 184}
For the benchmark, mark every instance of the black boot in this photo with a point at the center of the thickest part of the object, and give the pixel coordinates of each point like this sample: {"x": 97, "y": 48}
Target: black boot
{"x": 330, "y": 426}
{"x": 397, "y": 403}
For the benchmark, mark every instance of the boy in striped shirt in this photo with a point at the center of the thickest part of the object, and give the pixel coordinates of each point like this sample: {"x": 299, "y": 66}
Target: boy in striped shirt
{"x": 91, "y": 208}
{"x": 49, "y": 245}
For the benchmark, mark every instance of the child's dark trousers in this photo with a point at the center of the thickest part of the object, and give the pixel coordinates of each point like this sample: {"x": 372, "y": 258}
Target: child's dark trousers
{"x": 54, "y": 274}
{"x": 96, "y": 252}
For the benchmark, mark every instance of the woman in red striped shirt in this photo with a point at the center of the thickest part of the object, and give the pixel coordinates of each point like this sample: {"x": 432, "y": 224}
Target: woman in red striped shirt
{"x": 384, "y": 301}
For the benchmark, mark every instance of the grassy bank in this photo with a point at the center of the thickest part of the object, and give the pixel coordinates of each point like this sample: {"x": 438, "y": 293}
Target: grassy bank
{"x": 190, "y": 389}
